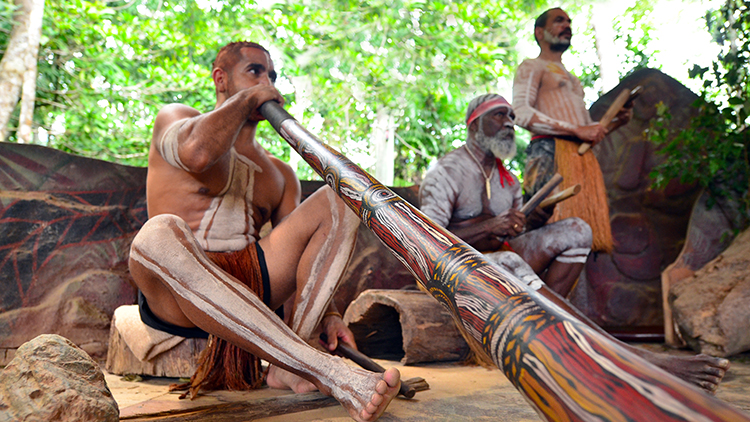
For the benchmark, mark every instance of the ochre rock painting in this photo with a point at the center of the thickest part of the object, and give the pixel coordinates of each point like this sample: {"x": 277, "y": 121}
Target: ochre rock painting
{"x": 623, "y": 290}
{"x": 66, "y": 224}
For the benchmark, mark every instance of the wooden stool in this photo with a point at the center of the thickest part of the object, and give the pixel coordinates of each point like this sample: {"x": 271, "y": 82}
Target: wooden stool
{"x": 177, "y": 362}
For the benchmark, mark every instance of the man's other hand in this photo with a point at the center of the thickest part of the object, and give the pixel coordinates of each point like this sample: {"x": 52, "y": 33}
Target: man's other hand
{"x": 336, "y": 331}
{"x": 592, "y": 133}
{"x": 539, "y": 217}
{"x": 511, "y": 223}
{"x": 622, "y": 117}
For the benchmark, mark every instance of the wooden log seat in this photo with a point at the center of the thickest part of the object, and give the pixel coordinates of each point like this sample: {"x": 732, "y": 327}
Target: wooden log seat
{"x": 404, "y": 325}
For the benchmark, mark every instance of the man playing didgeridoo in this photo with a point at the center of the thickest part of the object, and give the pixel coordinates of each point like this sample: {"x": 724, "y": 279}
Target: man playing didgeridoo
{"x": 548, "y": 101}
{"x": 470, "y": 186}
{"x": 201, "y": 268}
{"x": 471, "y": 193}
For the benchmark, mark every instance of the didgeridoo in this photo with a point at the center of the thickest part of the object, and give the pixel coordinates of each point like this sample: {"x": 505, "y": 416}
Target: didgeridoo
{"x": 565, "y": 369}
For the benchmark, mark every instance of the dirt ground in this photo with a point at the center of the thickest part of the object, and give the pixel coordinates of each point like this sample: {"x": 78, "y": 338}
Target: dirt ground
{"x": 457, "y": 393}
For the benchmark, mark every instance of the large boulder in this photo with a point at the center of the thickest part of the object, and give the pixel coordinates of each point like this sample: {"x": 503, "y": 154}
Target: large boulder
{"x": 711, "y": 308}
{"x": 622, "y": 290}
{"x": 50, "y": 379}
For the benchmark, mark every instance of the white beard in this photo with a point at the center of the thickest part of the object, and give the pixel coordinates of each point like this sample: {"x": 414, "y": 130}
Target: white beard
{"x": 556, "y": 43}
{"x": 502, "y": 144}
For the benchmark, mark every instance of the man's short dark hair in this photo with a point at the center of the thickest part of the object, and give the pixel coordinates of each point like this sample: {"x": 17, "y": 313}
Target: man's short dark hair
{"x": 541, "y": 21}
{"x": 231, "y": 53}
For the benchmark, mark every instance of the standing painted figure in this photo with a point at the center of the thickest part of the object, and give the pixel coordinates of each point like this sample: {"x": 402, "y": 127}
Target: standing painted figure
{"x": 564, "y": 368}
{"x": 549, "y": 103}
{"x": 199, "y": 263}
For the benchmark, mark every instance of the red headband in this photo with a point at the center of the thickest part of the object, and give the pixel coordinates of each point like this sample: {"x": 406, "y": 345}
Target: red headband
{"x": 487, "y": 106}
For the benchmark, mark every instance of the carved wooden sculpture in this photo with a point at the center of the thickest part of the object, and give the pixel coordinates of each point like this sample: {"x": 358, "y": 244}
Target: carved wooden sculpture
{"x": 565, "y": 369}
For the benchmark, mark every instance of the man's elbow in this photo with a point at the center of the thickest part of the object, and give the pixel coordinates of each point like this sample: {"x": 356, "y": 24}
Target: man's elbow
{"x": 197, "y": 159}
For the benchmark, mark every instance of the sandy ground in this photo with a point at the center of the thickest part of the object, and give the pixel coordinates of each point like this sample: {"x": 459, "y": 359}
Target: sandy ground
{"x": 456, "y": 393}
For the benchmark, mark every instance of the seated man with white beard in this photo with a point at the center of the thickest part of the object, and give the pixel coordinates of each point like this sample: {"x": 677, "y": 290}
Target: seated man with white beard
{"x": 470, "y": 185}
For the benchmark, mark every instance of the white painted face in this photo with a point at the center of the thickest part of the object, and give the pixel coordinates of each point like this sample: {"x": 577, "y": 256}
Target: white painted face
{"x": 557, "y": 31}
{"x": 557, "y": 43}
{"x": 502, "y": 144}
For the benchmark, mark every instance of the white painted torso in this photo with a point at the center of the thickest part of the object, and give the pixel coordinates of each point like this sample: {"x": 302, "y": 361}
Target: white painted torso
{"x": 455, "y": 190}
{"x": 547, "y": 97}
{"x": 227, "y": 224}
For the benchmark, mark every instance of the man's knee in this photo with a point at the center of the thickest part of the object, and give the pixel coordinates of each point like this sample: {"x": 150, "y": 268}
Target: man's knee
{"x": 581, "y": 232}
{"x": 341, "y": 214}
{"x": 155, "y": 232}
{"x": 515, "y": 264}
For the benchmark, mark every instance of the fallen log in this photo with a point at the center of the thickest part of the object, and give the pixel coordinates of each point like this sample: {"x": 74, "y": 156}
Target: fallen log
{"x": 405, "y": 325}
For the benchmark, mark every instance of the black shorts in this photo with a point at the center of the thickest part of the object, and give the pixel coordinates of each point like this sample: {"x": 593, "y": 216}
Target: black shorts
{"x": 148, "y": 317}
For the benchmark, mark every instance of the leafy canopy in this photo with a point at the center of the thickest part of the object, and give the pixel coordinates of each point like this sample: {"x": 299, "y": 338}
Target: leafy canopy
{"x": 106, "y": 67}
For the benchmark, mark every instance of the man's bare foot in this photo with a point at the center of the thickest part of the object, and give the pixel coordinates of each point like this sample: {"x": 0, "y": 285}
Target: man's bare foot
{"x": 385, "y": 390}
{"x": 285, "y": 380}
{"x": 703, "y": 371}
{"x": 364, "y": 394}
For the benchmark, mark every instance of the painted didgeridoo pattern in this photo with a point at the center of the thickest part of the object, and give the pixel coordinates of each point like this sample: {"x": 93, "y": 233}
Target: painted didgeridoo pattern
{"x": 564, "y": 369}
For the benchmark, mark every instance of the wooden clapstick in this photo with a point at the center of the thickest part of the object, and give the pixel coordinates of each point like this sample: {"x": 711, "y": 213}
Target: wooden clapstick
{"x": 541, "y": 194}
{"x": 561, "y": 196}
{"x": 623, "y": 98}
{"x": 408, "y": 387}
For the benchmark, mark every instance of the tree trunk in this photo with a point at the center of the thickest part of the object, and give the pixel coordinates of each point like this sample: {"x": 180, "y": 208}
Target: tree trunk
{"x": 383, "y": 132}
{"x": 18, "y": 66}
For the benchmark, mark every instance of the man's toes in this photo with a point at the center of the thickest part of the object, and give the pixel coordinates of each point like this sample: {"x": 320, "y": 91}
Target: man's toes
{"x": 709, "y": 387}
{"x": 365, "y": 415}
{"x": 371, "y": 408}
{"x": 392, "y": 377}
{"x": 723, "y": 363}
{"x": 376, "y": 399}
{"x": 381, "y": 387}
{"x": 714, "y": 371}
{"x": 713, "y": 381}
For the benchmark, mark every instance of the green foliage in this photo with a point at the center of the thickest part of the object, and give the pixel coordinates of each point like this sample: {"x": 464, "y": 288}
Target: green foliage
{"x": 106, "y": 68}
{"x": 712, "y": 150}
{"x": 634, "y": 29}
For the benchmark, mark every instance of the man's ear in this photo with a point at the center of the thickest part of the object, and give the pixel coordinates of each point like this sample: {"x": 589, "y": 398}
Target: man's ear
{"x": 539, "y": 33}
{"x": 474, "y": 126}
{"x": 220, "y": 79}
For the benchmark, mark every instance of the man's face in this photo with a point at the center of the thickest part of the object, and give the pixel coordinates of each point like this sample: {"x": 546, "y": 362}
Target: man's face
{"x": 557, "y": 31}
{"x": 496, "y": 132}
{"x": 253, "y": 68}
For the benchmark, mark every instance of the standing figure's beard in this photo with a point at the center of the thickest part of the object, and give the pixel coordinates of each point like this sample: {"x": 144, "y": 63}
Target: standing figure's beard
{"x": 502, "y": 144}
{"x": 556, "y": 43}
